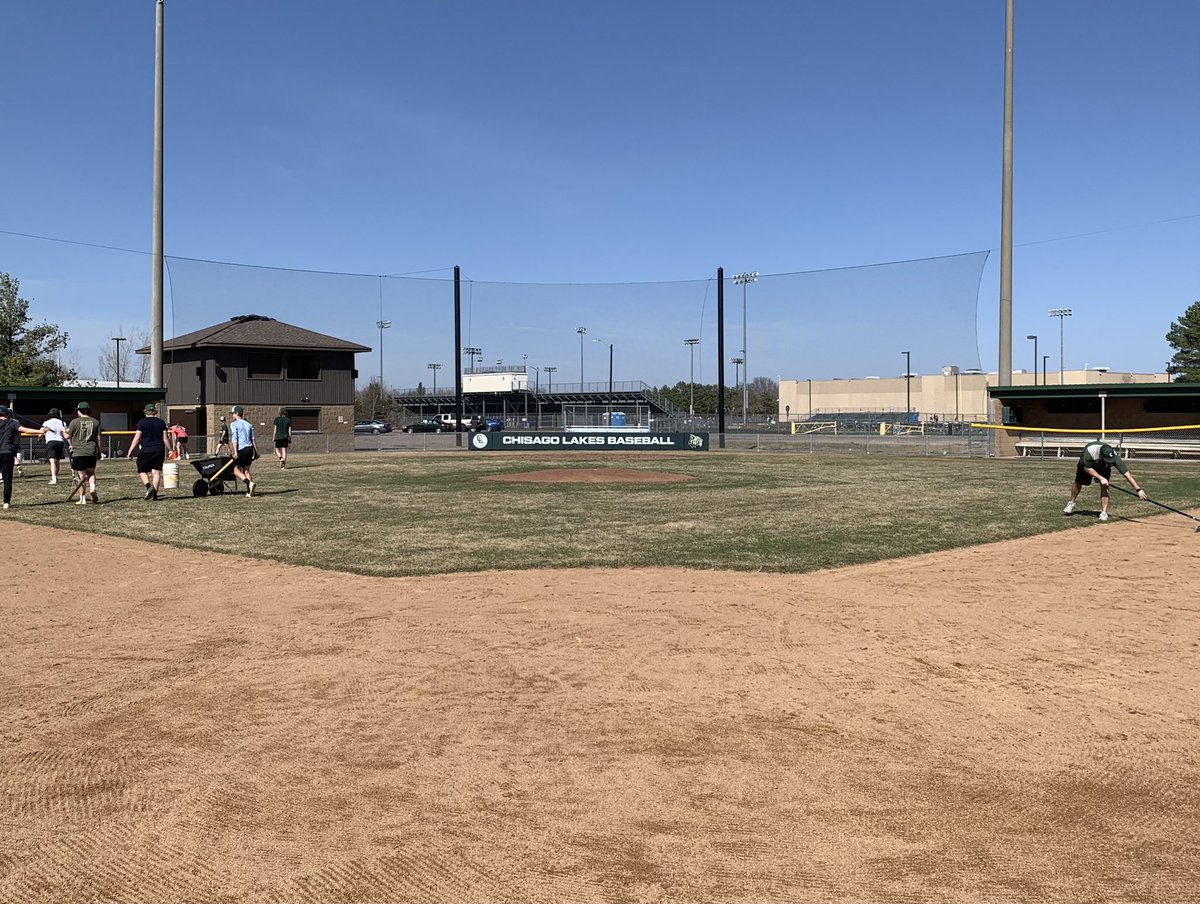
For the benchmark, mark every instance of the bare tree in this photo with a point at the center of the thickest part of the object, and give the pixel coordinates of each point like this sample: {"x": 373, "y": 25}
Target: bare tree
{"x": 134, "y": 368}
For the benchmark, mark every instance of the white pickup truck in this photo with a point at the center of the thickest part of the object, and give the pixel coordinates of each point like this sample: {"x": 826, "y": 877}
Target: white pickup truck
{"x": 450, "y": 422}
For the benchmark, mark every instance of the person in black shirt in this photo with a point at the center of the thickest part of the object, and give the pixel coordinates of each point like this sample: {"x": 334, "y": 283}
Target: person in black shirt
{"x": 11, "y": 432}
{"x": 150, "y": 434}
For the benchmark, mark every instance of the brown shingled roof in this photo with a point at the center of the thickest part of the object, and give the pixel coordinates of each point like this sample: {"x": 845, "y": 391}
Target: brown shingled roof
{"x": 254, "y": 331}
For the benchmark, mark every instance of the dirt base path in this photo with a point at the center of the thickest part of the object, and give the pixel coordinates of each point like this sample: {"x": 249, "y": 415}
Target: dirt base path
{"x": 1012, "y": 722}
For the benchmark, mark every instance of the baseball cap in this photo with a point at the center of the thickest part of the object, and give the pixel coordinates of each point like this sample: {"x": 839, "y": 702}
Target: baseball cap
{"x": 54, "y": 412}
{"x": 1108, "y": 453}
{"x": 6, "y": 412}
{"x": 237, "y": 409}
{"x": 83, "y": 406}
{"x": 151, "y": 407}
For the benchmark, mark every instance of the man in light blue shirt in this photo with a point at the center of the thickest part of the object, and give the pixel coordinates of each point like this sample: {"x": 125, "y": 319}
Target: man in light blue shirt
{"x": 241, "y": 439}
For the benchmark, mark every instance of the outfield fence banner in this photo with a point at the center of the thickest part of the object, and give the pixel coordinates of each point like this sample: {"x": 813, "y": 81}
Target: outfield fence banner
{"x": 589, "y": 442}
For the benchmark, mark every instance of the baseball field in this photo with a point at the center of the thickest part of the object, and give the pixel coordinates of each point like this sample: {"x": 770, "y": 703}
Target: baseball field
{"x": 709, "y": 677}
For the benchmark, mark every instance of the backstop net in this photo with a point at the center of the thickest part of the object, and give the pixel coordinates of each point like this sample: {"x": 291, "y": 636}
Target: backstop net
{"x": 851, "y": 322}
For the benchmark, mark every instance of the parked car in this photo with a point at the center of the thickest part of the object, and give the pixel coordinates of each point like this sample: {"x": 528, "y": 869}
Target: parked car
{"x": 489, "y": 423}
{"x": 376, "y": 426}
{"x": 428, "y": 425}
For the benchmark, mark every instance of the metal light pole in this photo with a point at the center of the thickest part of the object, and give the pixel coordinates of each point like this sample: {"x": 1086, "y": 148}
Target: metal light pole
{"x": 810, "y": 398}
{"x": 1004, "y": 359}
{"x": 1045, "y": 358}
{"x": 383, "y": 325}
{"x": 549, "y": 372}
{"x": 691, "y": 344}
{"x": 1060, "y": 313}
{"x": 472, "y": 353}
{"x": 907, "y": 386}
{"x": 1035, "y": 358}
{"x": 582, "y": 331}
{"x": 435, "y": 368}
{"x": 737, "y": 362}
{"x": 610, "y": 380}
{"x": 118, "y": 340}
{"x": 743, "y": 279}
{"x": 156, "y": 217}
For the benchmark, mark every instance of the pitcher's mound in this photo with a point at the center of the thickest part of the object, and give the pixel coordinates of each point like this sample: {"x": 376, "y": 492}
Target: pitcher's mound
{"x": 591, "y": 475}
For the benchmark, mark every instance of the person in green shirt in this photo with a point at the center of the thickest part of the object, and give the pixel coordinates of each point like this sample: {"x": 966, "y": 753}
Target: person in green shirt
{"x": 83, "y": 440}
{"x": 283, "y": 436}
{"x": 1096, "y": 463}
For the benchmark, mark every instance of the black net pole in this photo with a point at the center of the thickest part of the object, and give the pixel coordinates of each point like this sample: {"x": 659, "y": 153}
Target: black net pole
{"x": 458, "y": 379}
{"x": 721, "y": 356}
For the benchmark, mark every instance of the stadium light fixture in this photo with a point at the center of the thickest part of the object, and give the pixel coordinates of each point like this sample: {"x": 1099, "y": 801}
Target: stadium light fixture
{"x": 383, "y": 325}
{"x": 691, "y": 344}
{"x": 1035, "y": 358}
{"x": 737, "y": 363}
{"x": 743, "y": 279}
{"x": 1061, "y": 313}
{"x": 472, "y": 352}
{"x": 549, "y": 372}
{"x": 435, "y": 368}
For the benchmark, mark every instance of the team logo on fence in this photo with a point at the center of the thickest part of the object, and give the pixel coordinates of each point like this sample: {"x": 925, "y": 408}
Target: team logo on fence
{"x": 479, "y": 440}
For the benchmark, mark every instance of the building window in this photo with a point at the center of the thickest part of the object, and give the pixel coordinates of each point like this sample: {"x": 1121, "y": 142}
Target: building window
{"x": 305, "y": 420}
{"x": 1073, "y": 406}
{"x": 265, "y": 366}
{"x": 1173, "y": 405}
{"x": 304, "y": 366}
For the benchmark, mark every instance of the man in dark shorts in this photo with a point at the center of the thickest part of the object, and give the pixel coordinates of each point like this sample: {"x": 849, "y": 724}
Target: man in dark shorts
{"x": 283, "y": 436}
{"x": 83, "y": 439}
{"x": 241, "y": 439}
{"x": 56, "y": 442}
{"x": 151, "y": 434}
{"x": 11, "y": 431}
{"x": 1096, "y": 463}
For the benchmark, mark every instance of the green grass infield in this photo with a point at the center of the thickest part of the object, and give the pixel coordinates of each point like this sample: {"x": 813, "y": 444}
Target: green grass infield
{"x": 430, "y": 513}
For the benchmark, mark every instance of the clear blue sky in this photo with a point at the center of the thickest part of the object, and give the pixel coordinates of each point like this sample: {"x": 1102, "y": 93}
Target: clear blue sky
{"x": 550, "y": 141}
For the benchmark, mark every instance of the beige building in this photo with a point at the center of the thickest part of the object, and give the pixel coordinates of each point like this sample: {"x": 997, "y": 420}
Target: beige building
{"x": 952, "y": 395}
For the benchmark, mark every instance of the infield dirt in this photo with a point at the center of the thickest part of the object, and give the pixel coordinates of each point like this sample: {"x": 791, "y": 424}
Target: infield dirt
{"x": 1008, "y": 722}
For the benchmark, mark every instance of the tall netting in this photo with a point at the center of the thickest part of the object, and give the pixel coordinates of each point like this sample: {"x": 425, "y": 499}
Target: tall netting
{"x": 850, "y": 322}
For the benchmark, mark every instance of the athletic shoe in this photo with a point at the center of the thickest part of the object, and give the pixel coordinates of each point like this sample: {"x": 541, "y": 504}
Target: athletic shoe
{"x": 53, "y": 481}
{"x": 1069, "y": 507}
{"x": 6, "y": 506}
{"x": 1104, "y": 516}
{"x": 81, "y": 501}
{"x": 95, "y": 497}
{"x": 249, "y": 488}
{"x": 149, "y": 492}
{"x": 20, "y": 473}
